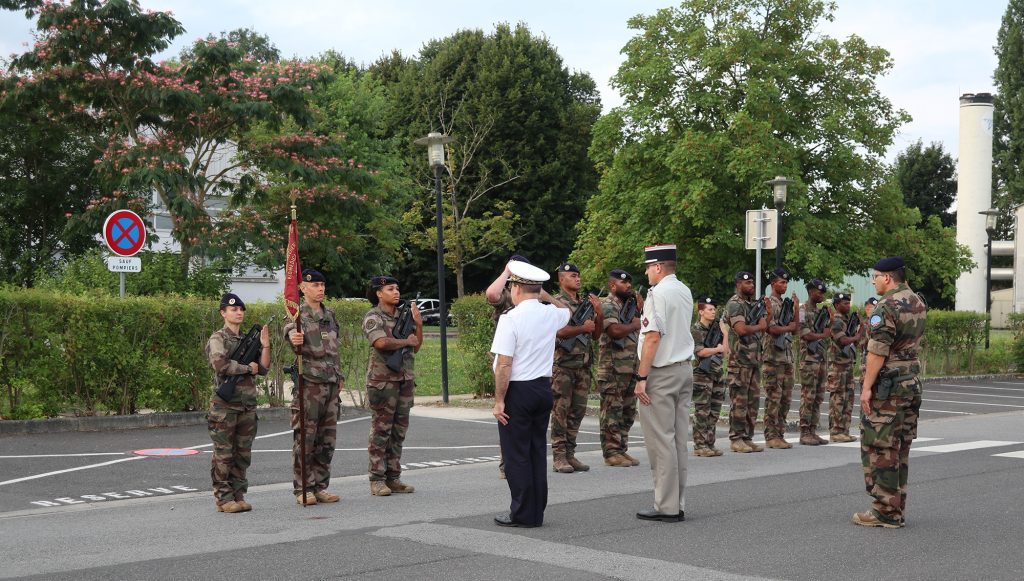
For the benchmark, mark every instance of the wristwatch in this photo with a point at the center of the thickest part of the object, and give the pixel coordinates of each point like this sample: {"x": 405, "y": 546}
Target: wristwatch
{"x": 639, "y": 377}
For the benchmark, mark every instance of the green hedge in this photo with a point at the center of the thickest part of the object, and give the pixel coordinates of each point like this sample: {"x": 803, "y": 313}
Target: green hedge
{"x": 953, "y": 338}
{"x": 473, "y": 318}
{"x": 86, "y": 355}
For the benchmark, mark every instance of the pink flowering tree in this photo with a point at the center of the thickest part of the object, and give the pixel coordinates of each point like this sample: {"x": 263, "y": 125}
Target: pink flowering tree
{"x": 218, "y": 122}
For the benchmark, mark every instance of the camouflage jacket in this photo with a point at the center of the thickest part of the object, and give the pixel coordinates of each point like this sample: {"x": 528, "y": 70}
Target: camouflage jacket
{"x": 320, "y": 349}
{"x": 503, "y": 305}
{"x": 839, "y": 323}
{"x": 699, "y": 332}
{"x": 376, "y": 325}
{"x": 809, "y": 312}
{"x": 771, "y": 353}
{"x": 896, "y": 328}
{"x": 218, "y": 349}
{"x": 743, "y": 351}
{"x": 615, "y": 360}
{"x": 580, "y": 356}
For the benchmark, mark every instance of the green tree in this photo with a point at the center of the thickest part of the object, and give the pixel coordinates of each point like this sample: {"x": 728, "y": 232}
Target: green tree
{"x": 202, "y": 128}
{"x": 46, "y": 177}
{"x": 161, "y": 275}
{"x": 511, "y": 89}
{"x": 721, "y": 95}
{"x": 927, "y": 178}
{"x": 1008, "y": 116}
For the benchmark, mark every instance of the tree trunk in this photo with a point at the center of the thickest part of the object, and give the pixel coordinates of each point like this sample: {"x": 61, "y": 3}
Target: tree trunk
{"x": 459, "y": 284}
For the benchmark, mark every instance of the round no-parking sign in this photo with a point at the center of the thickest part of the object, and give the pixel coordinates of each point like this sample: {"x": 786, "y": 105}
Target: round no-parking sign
{"x": 124, "y": 232}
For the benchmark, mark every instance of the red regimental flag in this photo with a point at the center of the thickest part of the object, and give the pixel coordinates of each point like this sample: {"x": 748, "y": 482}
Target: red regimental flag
{"x": 292, "y": 273}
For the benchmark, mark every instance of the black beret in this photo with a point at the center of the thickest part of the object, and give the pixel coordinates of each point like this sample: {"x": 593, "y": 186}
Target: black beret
{"x": 312, "y": 275}
{"x": 777, "y": 274}
{"x": 889, "y": 264}
{"x": 744, "y": 275}
{"x": 231, "y": 300}
{"x": 871, "y": 301}
{"x": 568, "y": 267}
{"x": 840, "y": 297}
{"x": 703, "y": 300}
{"x": 382, "y": 281}
{"x": 619, "y": 274}
{"x": 815, "y": 283}
{"x": 518, "y": 258}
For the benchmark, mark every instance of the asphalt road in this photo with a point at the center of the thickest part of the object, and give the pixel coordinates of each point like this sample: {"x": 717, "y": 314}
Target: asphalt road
{"x": 782, "y": 514}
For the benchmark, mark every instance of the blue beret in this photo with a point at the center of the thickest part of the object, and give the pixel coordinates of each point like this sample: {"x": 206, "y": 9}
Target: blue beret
{"x": 840, "y": 297}
{"x": 889, "y": 264}
{"x": 705, "y": 300}
{"x": 382, "y": 281}
{"x": 568, "y": 267}
{"x": 744, "y": 275}
{"x": 619, "y": 274}
{"x": 777, "y": 274}
{"x": 312, "y": 275}
{"x": 231, "y": 300}
{"x": 816, "y": 283}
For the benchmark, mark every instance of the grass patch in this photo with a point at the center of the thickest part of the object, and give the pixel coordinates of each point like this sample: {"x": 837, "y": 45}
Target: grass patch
{"x": 428, "y": 368}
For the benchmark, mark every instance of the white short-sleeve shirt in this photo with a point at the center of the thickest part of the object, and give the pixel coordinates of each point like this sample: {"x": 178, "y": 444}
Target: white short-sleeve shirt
{"x": 669, "y": 311}
{"x": 527, "y": 335}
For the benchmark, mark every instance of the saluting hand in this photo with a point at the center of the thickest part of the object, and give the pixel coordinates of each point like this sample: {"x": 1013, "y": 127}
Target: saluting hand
{"x": 499, "y": 413}
{"x": 595, "y": 302}
{"x": 415, "y": 310}
{"x": 639, "y": 302}
{"x": 265, "y": 337}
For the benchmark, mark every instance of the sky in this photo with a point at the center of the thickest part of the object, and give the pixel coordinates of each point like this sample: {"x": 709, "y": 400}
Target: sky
{"x": 941, "y": 48}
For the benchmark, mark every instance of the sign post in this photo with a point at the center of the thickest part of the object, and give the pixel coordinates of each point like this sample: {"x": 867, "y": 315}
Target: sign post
{"x": 758, "y": 239}
{"x": 125, "y": 234}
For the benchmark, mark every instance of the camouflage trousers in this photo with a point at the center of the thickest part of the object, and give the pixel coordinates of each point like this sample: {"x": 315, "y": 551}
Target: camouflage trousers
{"x": 232, "y": 431}
{"x": 745, "y": 395}
{"x": 887, "y": 430}
{"x": 319, "y": 429}
{"x": 570, "y": 388}
{"x": 840, "y": 403}
{"x": 708, "y": 397}
{"x": 778, "y": 393}
{"x": 618, "y": 412}
{"x": 390, "y": 402}
{"x": 812, "y": 393}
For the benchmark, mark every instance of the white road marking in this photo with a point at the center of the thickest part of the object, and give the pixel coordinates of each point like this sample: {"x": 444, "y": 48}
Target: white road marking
{"x": 524, "y": 548}
{"x": 964, "y": 446}
{"x": 1018, "y": 454}
{"x": 857, "y": 443}
{"x": 65, "y": 455}
{"x": 56, "y": 472}
{"x": 1002, "y": 405}
{"x": 975, "y": 394}
{"x": 1016, "y": 389}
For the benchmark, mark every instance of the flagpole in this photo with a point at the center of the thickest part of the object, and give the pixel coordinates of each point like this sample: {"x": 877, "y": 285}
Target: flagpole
{"x": 300, "y": 388}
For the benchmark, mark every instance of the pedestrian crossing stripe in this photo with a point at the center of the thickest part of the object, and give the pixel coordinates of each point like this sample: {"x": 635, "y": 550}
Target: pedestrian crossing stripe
{"x": 1018, "y": 454}
{"x": 965, "y": 446}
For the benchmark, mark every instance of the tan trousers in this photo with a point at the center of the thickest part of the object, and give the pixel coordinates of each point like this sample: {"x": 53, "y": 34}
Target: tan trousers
{"x": 666, "y": 424}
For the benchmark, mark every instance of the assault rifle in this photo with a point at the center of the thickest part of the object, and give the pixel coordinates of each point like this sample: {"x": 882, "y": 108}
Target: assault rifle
{"x": 582, "y": 313}
{"x": 852, "y": 329}
{"x": 404, "y": 326}
{"x": 755, "y": 315}
{"x": 248, "y": 351}
{"x": 711, "y": 340}
{"x": 820, "y": 321}
{"x": 785, "y": 318}
{"x": 626, "y": 315}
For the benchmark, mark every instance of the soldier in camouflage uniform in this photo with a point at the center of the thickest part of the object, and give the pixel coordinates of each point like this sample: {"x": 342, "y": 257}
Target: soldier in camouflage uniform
{"x": 814, "y": 368}
{"x": 232, "y": 423}
{"x": 744, "y": 364}
{"x": 778, "y": 363}
{"x": 890, "y": 394}
{"x": 571, "y": 375}
{"x": 840, "y": 372}
{"x": 618, "y": 359}
{"x": 390, "y": 393}
{"x": 316, "y": 334}
{"x": 708, "y": 386}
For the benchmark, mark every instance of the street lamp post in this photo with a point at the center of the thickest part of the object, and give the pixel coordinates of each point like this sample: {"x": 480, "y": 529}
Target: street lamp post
{"x": 991, "y": 216}
{"x": 780, "y": 186}
{"x": 435, "y": 143}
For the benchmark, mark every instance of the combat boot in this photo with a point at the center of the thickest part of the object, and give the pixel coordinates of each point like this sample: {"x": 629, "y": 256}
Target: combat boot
{"x": 702, "y": 452}
{"x": 778, "y": 444}
{"x": 618, "y": 460}
{"x": 378, "y": 488}
{"x": 310, "y": 499}
{"x": 398, "y": 487}
{"x": 821, "y": 441}
{"x": 230, "y": 506}
{"x": 327, "y": 497}
{"x": 560, "y": 464}
{"x": 808, "y": 439}
{"x": 246, "y": 507}
{"x": 714, "y": 452}
{"x": 843, "y": 438}
{"x": 869, "y": 519}
{"x": 740, "y": 446}
{"x": 631, "y": 459}
{"x": 576, "y": 464}
{"x": 753, "y": 447}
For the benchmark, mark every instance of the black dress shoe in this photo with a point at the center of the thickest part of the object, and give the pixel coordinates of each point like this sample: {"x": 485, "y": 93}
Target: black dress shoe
{"x": 660, "y": 517}
{"x": 505, "y": 520}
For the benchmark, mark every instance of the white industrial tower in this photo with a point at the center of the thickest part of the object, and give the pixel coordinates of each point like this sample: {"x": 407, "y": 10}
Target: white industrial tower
{"x": 974, "y": 195}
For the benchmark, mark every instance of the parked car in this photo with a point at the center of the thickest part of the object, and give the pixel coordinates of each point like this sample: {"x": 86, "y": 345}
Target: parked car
{"x": 430, "y": 310}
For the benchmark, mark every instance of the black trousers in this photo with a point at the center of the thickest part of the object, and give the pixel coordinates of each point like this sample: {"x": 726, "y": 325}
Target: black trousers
{"x": 524, "y": 445}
